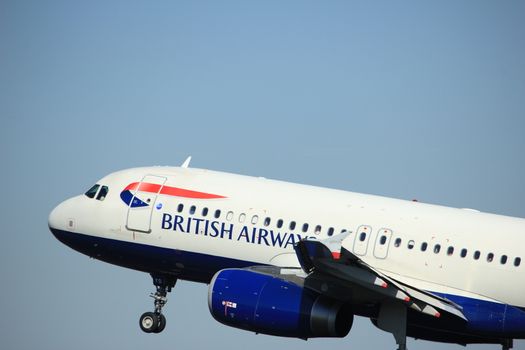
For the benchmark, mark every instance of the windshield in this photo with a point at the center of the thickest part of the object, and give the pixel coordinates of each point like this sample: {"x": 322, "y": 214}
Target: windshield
{"x": 103, "y": 193}
{"x": 92, "y": 191}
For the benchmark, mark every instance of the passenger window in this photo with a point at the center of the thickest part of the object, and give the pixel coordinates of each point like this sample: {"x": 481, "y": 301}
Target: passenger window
{"x": 411, "y": 244}
{"x": 92, "y": 191}
{"x": 477, "y": 254}
{"x": 103, "y": 193}
{"x": 463, "y": 253}
{"x": 397, "y": 242}
{"x": 267, "y": 221}
{"x": 292, "y": 225}
{"x": 437, "y": 248}
{"x": 279, "y": 223}
{"x": 180, "y": 208}
{"x": 424, "y": 246}
{"x": 192, "y": 210}
{"x": 204, "y": 211}
{"x": 330, "y": 231}
{"x": 242, "y": 217}
{"x": 255, "y": 218}
{"x": 382, "y": 240}
{"x": 217, "y": 214}
{"x": 317, "y": 229}
{"x": 450, "y": 251}
{"x": 362, "y": 236}
{"x": 517, "y": 262}
{"x": 229, "y": 216}
{"x": 503, "y": 259}
{"x": 490, "y": 257}
{"x": 305, "y": 227}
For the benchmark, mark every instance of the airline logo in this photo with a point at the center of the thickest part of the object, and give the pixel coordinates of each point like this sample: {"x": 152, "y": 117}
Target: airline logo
{"x": 129, "y": 194}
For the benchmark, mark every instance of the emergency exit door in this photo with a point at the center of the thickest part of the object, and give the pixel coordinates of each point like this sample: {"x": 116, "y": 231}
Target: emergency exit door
{"x": 383, "y": 238}
{"x": 361, "y": 239}
{"x": 141, "y": 205}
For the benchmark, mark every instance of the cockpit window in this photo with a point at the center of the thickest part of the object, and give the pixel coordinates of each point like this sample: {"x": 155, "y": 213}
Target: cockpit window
{"x": 103, "y": 193}
{"x": 92, "y": 191}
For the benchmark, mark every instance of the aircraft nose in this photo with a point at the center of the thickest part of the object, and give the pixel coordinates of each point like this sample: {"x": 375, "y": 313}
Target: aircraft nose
{"x": 57, "y": 219}
{"x": 54, "y": 218}
{"x": 60, "y": 218}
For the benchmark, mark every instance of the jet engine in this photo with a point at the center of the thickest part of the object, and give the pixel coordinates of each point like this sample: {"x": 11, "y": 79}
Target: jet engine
{"x": 267, "y": 304}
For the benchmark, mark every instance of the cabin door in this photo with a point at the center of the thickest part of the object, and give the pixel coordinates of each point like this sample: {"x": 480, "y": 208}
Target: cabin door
{"x": 141, "y": 206}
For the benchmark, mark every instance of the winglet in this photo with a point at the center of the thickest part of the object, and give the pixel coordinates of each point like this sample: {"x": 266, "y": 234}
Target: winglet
{"x": 309, "y": 250}
{"x": 334, "y": 243}
{"x": 186, "y": 162}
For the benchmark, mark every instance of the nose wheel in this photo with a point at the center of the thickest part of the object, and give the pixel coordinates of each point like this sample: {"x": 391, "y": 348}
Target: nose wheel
{"x": 151, "y": 322}
{"x": 155, "y": 322}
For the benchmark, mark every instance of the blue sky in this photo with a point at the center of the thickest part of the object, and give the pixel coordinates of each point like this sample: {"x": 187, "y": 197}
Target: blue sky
{"x": 414, "y": 99}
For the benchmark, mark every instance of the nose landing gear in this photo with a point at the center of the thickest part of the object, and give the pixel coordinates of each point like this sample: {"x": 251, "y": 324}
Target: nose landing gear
{"x": 155, "y": 322}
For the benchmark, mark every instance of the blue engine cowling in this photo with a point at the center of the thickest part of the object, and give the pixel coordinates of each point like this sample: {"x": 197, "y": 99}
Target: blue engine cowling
{"x": 266, "y": 304}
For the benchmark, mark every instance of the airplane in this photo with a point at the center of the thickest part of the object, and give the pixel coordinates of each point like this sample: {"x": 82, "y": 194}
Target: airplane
{"x": 300, "y": 261}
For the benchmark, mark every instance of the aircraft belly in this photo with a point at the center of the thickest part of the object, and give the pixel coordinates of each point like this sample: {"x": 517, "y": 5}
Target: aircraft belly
{"x": 186, "y": 265}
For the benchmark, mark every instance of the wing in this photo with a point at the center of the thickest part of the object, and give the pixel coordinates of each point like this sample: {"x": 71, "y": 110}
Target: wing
{"x": 343, "y": 275}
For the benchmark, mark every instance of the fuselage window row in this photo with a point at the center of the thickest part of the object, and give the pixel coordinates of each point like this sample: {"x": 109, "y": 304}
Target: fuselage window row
{"x": 450, "y": 250}
{"x": 279, "y": 224}
{"x": 242, "y": 217}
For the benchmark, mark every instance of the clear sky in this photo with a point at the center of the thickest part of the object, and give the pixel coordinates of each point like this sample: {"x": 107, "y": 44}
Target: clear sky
{"x": 414, "y": 99}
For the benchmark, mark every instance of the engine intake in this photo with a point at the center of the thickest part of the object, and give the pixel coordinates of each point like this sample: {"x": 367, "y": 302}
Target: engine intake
{"x": 267, "y": 304}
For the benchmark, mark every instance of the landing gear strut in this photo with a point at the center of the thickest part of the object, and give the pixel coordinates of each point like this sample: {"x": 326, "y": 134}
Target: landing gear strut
{"x": 155, "y": 322}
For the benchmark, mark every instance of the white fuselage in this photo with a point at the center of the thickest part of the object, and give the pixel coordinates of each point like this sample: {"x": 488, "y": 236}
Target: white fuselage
{"x": 477, "y": 254}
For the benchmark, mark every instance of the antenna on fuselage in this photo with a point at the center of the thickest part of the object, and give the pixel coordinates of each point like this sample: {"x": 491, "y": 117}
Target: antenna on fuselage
{"x": 186, "y": 162}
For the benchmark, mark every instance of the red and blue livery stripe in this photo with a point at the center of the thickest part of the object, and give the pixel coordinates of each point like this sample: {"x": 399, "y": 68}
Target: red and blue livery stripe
{"x": 128, "y": 194}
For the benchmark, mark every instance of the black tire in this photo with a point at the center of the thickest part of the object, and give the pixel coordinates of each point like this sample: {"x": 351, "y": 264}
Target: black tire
{"x": 149, "y": 322}
{"x": 161, "y": 325}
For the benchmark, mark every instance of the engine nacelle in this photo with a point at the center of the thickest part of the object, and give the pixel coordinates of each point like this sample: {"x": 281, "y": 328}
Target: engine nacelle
{"x": 266, "y": 304}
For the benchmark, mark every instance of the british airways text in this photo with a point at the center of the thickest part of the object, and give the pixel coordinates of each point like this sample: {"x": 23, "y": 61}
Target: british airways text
{"x": 213, "y": 228}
